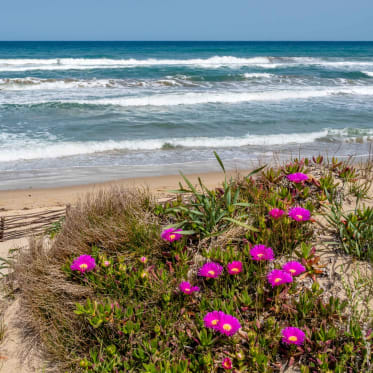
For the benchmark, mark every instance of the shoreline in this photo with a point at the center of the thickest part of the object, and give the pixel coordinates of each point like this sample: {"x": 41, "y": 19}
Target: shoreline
{"x": 40, "y": 198}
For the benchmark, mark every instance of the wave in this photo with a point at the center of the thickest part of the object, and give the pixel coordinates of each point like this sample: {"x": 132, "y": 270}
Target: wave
{"x": 104, "y": 63}
{"x": 369, "y": 73}
{"x": 258, "y": 75}
{"x": 31, "y": 83}
{"x": 19, "y": 148}
{"x": 212, "y": 62}
{"x": 196, "y": 98}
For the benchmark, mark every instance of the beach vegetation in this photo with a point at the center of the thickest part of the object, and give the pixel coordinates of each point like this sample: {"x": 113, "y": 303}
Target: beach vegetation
{"x": 222, "y": 279}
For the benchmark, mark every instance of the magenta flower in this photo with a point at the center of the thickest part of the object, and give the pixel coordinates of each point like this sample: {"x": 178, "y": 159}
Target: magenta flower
{"x": 278, "y": 277}
{"x": 293, "y": 336}
{"x": 299, "y": 214}
{"x": 227, "y": 364}
{"x": 234, "y": 268}
{"x": 210, "y": 270}
{"x": 228, "y": 325}
{"x": 212, "y": 319}
{"x": 84, "y": 263}
{"x": 276, "y": 213}
{"x": 297, "y": 177}
{"x": 171, "y": 234}
{"x": 261, "y": 252}
{"x": 294, "y": 268}
{"x": 143, "y": 259}
{"x": 187, "y": 288}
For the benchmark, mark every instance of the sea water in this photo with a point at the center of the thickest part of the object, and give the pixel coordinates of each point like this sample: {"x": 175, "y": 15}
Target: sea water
{"x": 78, "y": 112}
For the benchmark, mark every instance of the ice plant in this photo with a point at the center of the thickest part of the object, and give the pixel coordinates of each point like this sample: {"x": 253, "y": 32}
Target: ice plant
{"x": 278, "y": 277}
{"x": 228, "y": 325}
{"x": 299, "y": 214}
{"x": 276, "y": 213}
{"x": 171, "y": 234}
{"x": 227, "y": 364}
{"x": 84, "y": 263}
{"x": 294, "y": 268}
{"x": 261, "y": 252}
{"x": 143, "y": 259}
{"x": 212, "y": 319}
{"x": 292, "y": 335}
{"x": 187, "y": 288}
{"x": 210, "y": 270}
{"x": 234, "y": 267}
{"x": 297, "y": 177}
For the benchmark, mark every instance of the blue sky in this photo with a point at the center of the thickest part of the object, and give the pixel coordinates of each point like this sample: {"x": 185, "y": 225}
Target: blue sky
{"x": 186, "y": 20}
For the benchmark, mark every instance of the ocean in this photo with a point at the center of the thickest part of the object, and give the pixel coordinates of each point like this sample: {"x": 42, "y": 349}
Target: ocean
{"x": 80, "y": 112}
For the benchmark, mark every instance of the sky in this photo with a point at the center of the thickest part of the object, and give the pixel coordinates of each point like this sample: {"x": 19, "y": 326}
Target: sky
{"x": 186, "y": 20}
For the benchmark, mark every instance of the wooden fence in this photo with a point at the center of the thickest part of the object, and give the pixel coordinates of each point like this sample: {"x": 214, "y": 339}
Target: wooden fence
{"x": 18, "y": 226}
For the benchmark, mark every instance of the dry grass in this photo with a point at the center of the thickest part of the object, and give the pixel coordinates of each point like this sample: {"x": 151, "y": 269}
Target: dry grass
{"x": 114, "y": 220}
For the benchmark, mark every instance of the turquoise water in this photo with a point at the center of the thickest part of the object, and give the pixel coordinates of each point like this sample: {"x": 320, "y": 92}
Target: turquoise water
{"x": 76, "y": 112}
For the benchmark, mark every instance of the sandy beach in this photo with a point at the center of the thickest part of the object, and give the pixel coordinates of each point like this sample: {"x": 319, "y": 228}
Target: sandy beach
{"x": 30, "y": 199}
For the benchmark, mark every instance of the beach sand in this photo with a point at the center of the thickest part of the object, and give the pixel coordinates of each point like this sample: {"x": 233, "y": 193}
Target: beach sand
{"x": 13, "y": 201}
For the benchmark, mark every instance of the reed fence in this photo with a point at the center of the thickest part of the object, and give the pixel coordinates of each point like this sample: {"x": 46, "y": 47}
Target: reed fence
{"x": 18, "y": 226}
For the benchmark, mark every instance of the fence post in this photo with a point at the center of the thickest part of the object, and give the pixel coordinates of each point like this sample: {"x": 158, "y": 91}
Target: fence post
{"x": 2, "y": 227}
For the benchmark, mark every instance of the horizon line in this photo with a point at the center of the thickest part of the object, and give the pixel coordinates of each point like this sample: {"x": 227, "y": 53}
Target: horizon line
{"x": 193, "y": 41}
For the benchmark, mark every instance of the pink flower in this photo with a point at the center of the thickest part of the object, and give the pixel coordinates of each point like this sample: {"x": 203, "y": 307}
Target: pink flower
{"x": 292, "y": 335}
{"x": 84, "y": 263}
{"x": 228, "y": 325}
{"x": 261, "y": 252}
{"x": 276, "y": 213}
{"x": 294, "y": 268}
{"x": 210, "y": 270}
{"x": 299, "y": 214}
{"x": 278, "y": 277}
{"x": 212, "y": 319}
{"x": 143, "y": 259}
{"x": 297, "y": 177}
{"x": 171, "y": 234}
{"x": 106, "y": 263}
{"x": 227, "y": 364}
{"x": 234, "y": 268}
{"x": 187, "y": 288}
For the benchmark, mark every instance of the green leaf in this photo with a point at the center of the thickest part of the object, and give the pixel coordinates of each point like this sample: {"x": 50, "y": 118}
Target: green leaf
{"x": 240, "y": 223}
{"x": 186, "y": 233}
{"x": 256, "y": 171}
{"x": 219, "y": 160}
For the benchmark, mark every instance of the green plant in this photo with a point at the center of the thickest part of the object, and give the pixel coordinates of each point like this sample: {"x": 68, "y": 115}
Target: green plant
{"x": 211, "y": 212}
{"x": 354, "y": 230}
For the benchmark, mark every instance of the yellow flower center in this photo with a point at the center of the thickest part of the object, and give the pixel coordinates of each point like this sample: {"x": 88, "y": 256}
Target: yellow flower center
{"x": 260, "y": 255}
{"x": 234, "y": 270}
{"x": 226, "y": 364}
{"x": 278, "y": 279}
{"x": 83, "y": 266}
{"x": 227, "y": 327}
{"x": 300, "y": 217}
{"x": 293, "y": 338}
{"x": 187, "y": 290}
{"x": 211, "y": 272}
{"x": 172, "y": 236}
{"x": 214, "y": 322}
{"x": 292, "y": 270}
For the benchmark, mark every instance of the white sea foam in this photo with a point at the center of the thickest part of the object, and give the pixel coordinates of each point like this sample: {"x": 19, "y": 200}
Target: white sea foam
{"x": 258, "y": 75}
{"x": 212, "y": 62}
{"x": 18, "y": 147}
{"x": 32, "y": 83}
{"x": 369, "y": 73}
{"x": 194, "y": 98}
